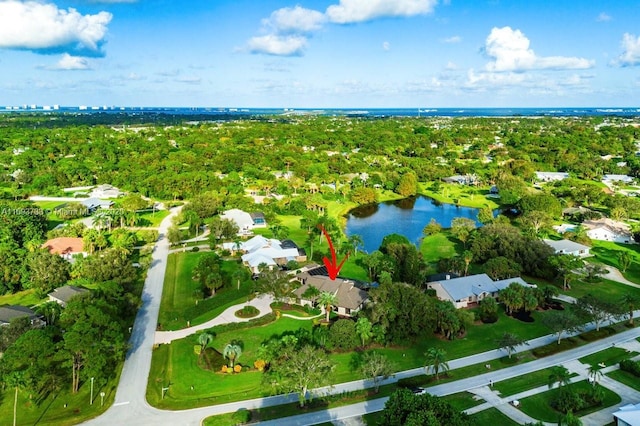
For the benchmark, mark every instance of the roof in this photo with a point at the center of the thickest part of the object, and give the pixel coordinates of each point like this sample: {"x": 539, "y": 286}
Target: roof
{"x": 565, "y": 245}
{"x": 93, "y": 202}
{"x": 257, "y": 215}
{"x": 464, "y": 287}
{"x": 241, "y": 218}
{"x": 605, "y": 222}
{"x": 65, "y": 293}
{"x": 64, "y": 245}
{"x": 630, "y": 414}
{"x": 288, "y": 244}
{"x": 557, "y": 175}
{"x": 7, "y": 313}
{"x": 620, "y": 178}
{"x": 347, "y": 294}
{"x": 263, "y": 250}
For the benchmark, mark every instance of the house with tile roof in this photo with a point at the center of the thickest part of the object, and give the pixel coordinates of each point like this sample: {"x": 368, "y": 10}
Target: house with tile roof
{"x": 606, "y": 229}
{"x": 472, "y": 289}
{"x": 67, "y": 247}
{"x": 349, "y": 297}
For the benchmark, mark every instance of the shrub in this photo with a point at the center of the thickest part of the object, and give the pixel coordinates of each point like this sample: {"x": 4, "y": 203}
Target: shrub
{"x": 242, "y": 416}
{"x": 630, "y": 366}
{"x": 195, "y": 249}
{"x": 197, "y": 349}
{"x": 223, "y": 369}
{"x": 568, "y": 400}
{"x": 342, "y": 334}
{"x": 259, "y": 364}
{"x": 247, "y": 311}
{"x": 237, "y": 368}
{"x": 229, "y": 370}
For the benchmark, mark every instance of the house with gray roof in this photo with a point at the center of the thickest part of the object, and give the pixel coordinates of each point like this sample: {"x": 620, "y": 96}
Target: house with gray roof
{"x": 349, "y": 297}
{"x": 11, "y": 312}
{"x": 472, "y": 289}
{"x": 568, "y": 247}
{"x": 551, "y": 176}
{"x": 62, "y": 295}
{"x": 93, "y": 204}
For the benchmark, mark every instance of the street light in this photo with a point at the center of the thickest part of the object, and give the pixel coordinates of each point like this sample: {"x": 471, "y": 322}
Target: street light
{"x": 102, "y": 394}
{"x": 91, "y": 399}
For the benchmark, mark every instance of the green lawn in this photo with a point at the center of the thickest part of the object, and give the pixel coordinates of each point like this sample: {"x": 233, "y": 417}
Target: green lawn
{"x": 152, "y": 219}
{"x": 52, "y": 410}
{"x": 439, "y": 246}
{"x": 523, "y": 383}
{"x": 607, "y": 253}
{"x": 609, "y": 356}
{"x": 23, "y": 298}
{"x": 626, "y": 378}
{"x": 493, "y": 416}
{"x": 464, "y": 195}
{"x": 606, "y": 290}
{"x": 463, "y": 400}
{"x": 181, "y": 292}
{"x": 539, "y": 406}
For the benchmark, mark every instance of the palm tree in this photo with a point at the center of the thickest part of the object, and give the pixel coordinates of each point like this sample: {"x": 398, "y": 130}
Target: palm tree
{"x": 327, "y": 300}
{"x": 631, "y": 301}
{"x": 595, "y": 373}
{"x": 50, "y": 311}
{"x": 559, "y": 375}
{"x": 436, "y": 361}
{"x": 239, "y": 275}
{"x": 232, "y": 352}
{"x": 355, "y": 241}
{"x": 203, "y": 340}
{"x": 364, "y": 329}
{"x": 468, "y": 257}
{"x": 15, "y": 379}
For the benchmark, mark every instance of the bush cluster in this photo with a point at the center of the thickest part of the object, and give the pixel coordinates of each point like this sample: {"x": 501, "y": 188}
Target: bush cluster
{"x": 629, "y": 366}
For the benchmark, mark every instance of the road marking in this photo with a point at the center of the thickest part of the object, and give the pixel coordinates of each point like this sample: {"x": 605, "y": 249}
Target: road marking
{"x": 121, "y": 403}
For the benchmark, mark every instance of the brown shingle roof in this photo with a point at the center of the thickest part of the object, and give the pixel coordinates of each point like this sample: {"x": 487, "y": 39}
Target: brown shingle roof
{"x": 64, "y": 245}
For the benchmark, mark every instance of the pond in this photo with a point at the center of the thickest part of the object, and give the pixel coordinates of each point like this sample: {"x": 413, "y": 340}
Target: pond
{"x": 406, "y": 217}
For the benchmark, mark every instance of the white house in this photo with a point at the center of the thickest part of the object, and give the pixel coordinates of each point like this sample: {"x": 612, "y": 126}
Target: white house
{"x": 627, "y": 415}
{"x": 106, "y": 191}
{"x": 606, "y": 229}
{"x": 568, "y": 247}
{"x": 610, "y": 179}
{"x": 245, "y": 221}
{"x": 472, "y": 289}
{"x": 551, "y": 176}
{"x": 66, "y": 247}
{"x": 271, "y": 252}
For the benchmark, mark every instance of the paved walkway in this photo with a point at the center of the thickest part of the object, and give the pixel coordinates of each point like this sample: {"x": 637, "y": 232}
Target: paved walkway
{"x": 615, "y": 275}
{"x": 262, "y": 303}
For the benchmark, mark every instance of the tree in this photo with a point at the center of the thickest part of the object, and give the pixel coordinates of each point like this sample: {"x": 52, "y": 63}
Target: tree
{"x": 240, "y": 275}
{"x": 48, "y": 271}
{"x": 203, "y": 340}
{"x": 50, "y": 311}
{"x": 595, "y": 373}
{"x": 355, "y": 241}
{"x": 405, "y": 408}
{"x": 221, "y": 229}
{"x": 375, "y": 367}
{"x": 510, "y": 342}
{"x": 594, "y": 309}
{"x": 624, "y": 260}
{"x": 174, "y": 235}
{"x": 431, "y": 228}
{"x": 327, "y": 300}
{"x": 408, "y": 185}
{"x": 559, "y": 375}
{"x": 630, "y": 302}
{"x": 208, "y": 272}
{"x": 501, "y": 267}
{"x": 512, "y": 297}
{"x": 488, "y": 310}
{"x": 343, "y": 335}
{"x": 536, "y": 221}
{"x": 485, "y": 215}
{"x": 560, "y": 322}
{"x": 15, "y": 380}
{"x": 468, "y": 258}
{"x": 274, "y": 282}
{"x": 364, "y": 329}
{"x": 566, "y": 266}
{"x": 461, "y": 228}
{"x": 232, "y": 351}
{"x": 436, "y": 361}
{"x": 296, "y": 369}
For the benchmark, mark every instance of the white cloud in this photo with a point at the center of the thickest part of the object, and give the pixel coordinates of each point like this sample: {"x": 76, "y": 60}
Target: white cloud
{"x": 42, "y": 27}
{"x": 510, "y": 50}
{"x": 386, "y": 46}
{"x": 296, "y": 19}
{"x": 603, "y": 17}
{"x": 68, "y": 62}
{"x": 454, "y": 39}
{"x": 451, "y": 66}
{"x": 349, "y": 11}
{"x": 630, "y": 51}
{"x": 273, "y": 44}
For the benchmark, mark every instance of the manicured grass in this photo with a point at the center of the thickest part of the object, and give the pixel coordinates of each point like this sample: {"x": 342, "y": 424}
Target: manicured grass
{"x": 152, "y": 219}
{"x": 609, "y": 356}
{"x": 463, "y": 400}
{"x": 24, "y": 298}
{"x": 465, "y": 195}
{"x": 607, "y": 252}
{"x": 493, "y": 416}
{"x": 372, "y": 419}
{"x": 626, "y": 378}
{"x": 439, "y": 246}
{"x": 181, "y": 292}
{"x": 523, "y": 383}
{"x": 52, "y": 411}
{"x": 539, "y": 406}
{"x": 605, "y": 290}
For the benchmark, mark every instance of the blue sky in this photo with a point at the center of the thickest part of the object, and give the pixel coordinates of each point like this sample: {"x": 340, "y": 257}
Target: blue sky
{"x": 334, "y": 53}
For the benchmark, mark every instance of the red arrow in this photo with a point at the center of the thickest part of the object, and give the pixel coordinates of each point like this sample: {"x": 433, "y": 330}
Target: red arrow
{"x": 332, "y": 266}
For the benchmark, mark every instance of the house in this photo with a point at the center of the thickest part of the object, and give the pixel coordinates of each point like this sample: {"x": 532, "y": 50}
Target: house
{"x": 568, "y": 247}
{"x": 271, "y": 252}
{"x": 245, "y": 221}
{"x": 62, "y": 295}
{"x": 471, "y": 289}
{"x": 551, "y": 176}
{"x": 67, "y": 247}
{"x": 349, "y": 297}
{"x": 93, "y": 204}
{"x": 462, "y": 180}
{"x": 106, "y": 191}
{"x": 627, "y": 415}
{"x": 606, "y": 229}
{"x": 11, "y": 312}
{"x": 611, "y": 179}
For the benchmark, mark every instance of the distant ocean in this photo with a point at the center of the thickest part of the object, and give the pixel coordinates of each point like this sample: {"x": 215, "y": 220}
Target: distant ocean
{"x": 360, "y": 112}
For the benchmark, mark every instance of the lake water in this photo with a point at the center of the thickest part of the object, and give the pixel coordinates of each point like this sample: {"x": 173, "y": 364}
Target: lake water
{"x": 406, "y": 217}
